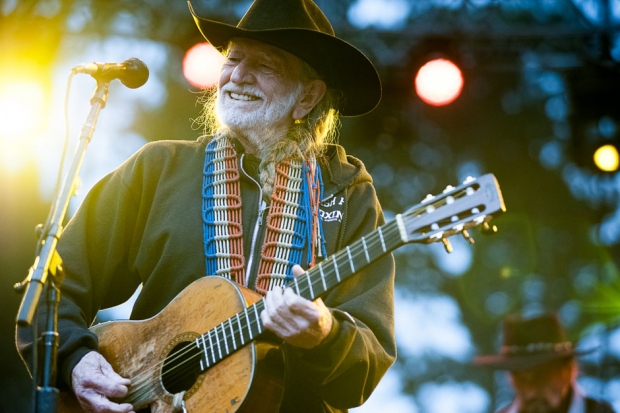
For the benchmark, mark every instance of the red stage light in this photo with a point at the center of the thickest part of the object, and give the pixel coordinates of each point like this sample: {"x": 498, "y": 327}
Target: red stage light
{"x": 439, "y": 82}
{"x": 202, "y": 64}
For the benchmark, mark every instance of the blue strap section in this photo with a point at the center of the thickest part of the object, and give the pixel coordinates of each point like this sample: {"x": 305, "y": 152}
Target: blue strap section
{"x": 307, "y": 206}
{"x": 208, "y": 214}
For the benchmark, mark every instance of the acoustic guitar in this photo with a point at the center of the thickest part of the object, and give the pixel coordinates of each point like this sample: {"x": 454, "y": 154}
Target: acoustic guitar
{"x": 206, "y": 352}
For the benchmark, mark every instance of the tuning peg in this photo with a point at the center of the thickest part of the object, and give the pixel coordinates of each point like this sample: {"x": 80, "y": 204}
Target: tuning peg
{"x": 447, "y": 245}
{"x": 468, "y": 180}
{"x": 469, "y": 239}
{"x": 448, "y": 189}
{"x": 428, "y": 198}
{"x": 487, "y": 229}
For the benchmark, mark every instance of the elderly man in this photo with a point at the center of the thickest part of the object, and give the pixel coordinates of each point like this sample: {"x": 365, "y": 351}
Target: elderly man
{"x": 542, "y": 366}
{"x": 262, "y": 198}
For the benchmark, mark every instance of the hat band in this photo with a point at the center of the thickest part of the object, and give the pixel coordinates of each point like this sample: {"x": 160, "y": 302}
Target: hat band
{"x": 533, "y": 348}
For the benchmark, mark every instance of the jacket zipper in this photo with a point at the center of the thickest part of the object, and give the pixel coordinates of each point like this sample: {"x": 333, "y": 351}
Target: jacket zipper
{"x": 262, "y": 206}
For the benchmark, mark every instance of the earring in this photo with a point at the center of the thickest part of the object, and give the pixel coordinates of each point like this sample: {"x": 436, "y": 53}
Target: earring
{"x": 297, "y": 121}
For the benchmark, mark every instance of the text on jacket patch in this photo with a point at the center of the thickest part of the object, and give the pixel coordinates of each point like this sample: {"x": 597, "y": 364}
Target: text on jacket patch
{"x": 332, "y": 216}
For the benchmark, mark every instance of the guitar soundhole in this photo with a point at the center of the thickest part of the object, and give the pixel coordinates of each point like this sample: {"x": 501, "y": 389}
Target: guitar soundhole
{"x": 181, "y": 368}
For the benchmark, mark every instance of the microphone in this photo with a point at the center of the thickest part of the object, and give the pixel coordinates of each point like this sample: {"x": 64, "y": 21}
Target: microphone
{"x": 132, "y": 73}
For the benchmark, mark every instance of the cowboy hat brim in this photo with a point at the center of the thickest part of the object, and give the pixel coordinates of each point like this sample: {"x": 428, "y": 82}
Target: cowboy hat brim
{"x": 343, "y": 67}
{"x": 524, "y": 361}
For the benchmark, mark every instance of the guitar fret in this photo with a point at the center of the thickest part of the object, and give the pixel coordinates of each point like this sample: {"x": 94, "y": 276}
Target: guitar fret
{"x": 365, "y": 250}
{"x": 217, "y": 342}
{"x": 322, "y": 277}
{"x": 247, "y": 318}
{"x": 310, "y": 285}
{"x": 224, "y": 338}
{"x": 350, "y": 259}
{"x": 336, "y": 267}
{"x": 240, "y": 329}
{"x": 204, "y": 346}
{"x": 296, "y": 285}
{"x": 232, "y": 333}
{"x": 211, "y": 346}
{"x": 257, "y": 318}
{"x": 381, "y": 237}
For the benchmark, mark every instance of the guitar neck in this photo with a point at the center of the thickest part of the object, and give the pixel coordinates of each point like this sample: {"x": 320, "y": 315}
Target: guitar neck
{"x": 245, "y": 326}
{"x": 341, "y": 265}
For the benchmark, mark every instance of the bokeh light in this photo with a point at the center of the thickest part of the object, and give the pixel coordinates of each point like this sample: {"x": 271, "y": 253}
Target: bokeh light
{"x": 606, "y": 158}
{"x": 439, "y": 82}
{"x": 22, "y": 104}
{"x": 202, "y": 64}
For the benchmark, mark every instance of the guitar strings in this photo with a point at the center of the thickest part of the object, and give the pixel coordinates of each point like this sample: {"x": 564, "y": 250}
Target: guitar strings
{"x": 176, "y": 373}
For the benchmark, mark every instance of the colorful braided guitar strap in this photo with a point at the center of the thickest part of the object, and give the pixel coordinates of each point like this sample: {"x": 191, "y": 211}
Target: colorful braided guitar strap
{"x": 293, "y": 222}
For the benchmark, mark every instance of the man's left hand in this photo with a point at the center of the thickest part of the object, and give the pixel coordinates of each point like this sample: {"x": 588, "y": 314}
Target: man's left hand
{"x": 299, "y": 322}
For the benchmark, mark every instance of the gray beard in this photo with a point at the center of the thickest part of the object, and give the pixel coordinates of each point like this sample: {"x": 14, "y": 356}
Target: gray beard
{"x": 258, "y": 126}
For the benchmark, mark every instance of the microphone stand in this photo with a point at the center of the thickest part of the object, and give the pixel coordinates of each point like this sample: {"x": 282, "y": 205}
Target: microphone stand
{"x": 48, "y": 262}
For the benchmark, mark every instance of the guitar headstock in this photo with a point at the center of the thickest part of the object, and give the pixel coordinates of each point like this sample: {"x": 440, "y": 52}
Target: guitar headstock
{"x": 457, "y": 209}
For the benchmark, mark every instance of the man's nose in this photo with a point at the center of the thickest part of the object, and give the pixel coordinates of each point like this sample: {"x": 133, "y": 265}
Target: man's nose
{"x": 243, "y": 73}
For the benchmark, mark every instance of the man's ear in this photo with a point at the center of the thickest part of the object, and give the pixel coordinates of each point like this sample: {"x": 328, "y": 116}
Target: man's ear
{"x": 312, "y": 95}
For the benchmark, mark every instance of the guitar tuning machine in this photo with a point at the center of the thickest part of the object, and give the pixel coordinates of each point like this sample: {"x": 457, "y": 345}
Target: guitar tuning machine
{"x": 487, "y": 229}
{"x": 465, "y": 235}
{"x": 447, "y": 245}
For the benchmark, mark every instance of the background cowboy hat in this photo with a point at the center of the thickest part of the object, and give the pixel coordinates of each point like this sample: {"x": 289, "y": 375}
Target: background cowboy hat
{"x": 529, "y": 342}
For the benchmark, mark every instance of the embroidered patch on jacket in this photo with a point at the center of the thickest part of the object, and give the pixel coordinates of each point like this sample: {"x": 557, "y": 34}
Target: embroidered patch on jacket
{"x": 331, "y": 209}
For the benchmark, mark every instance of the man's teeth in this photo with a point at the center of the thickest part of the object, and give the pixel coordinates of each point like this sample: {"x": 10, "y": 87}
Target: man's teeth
{"x": 237, "y": 96}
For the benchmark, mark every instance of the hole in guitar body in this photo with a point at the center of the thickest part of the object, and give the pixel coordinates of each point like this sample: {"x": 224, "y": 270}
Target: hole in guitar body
{"x": 181, "y": 367}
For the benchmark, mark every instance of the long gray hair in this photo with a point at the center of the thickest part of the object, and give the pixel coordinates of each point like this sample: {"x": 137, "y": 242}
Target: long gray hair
{"x": 306, "y": 138}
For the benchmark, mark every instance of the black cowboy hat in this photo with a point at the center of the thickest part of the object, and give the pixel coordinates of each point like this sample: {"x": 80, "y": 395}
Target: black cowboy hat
{"x": 300, "y": 28}
{"x": 529, "y": 342}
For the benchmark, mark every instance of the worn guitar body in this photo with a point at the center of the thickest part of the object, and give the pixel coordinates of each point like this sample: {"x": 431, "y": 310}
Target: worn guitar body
{"x": 250, "y": 379}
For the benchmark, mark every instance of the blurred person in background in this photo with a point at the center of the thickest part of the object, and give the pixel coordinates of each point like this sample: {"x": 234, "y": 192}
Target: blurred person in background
{"x": 542, "y": 367}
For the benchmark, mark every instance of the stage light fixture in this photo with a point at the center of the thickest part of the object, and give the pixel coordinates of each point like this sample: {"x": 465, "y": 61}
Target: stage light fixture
{"x": 606, "y": 158}
{"x": 439, "y": 82}
{"x": 202, "y": 64}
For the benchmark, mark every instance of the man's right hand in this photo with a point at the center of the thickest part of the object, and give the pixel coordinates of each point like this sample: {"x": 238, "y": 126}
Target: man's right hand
{"x": 95, "y": 382}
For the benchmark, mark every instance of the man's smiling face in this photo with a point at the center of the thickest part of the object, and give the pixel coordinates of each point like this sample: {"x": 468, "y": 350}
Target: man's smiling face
{"x": 259, "y": 87}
